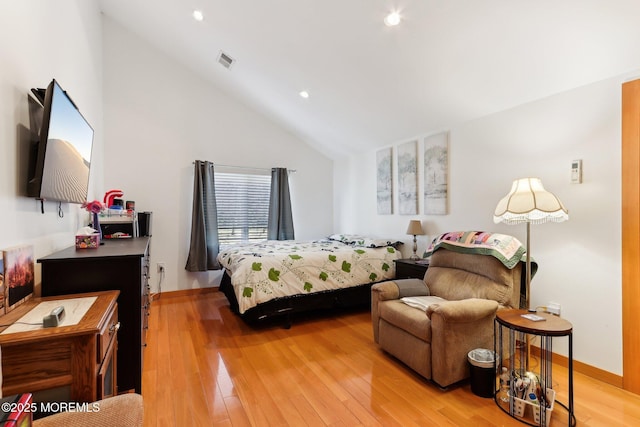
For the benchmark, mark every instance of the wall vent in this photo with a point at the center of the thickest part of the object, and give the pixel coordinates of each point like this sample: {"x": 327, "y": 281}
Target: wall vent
{"x": 225, "y": 60}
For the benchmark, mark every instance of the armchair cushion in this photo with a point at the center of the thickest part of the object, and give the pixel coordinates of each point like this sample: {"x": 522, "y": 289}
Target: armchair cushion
{"x": 414, "y": 321}
{"x": 124, "y": 410}
{"x": 456, "y": 276}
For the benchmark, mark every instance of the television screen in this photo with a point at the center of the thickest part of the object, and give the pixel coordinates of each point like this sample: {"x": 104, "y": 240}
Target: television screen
{"x": 63, "y": 160}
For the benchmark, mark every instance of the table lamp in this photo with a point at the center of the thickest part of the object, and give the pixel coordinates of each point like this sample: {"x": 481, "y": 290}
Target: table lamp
{"x": 529, "y": 202}
{"x": 415, "y": 228}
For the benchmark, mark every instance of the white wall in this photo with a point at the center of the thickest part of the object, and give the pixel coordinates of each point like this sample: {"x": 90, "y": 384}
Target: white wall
{"x": 41, "y": 40}
{"x": 579, "y": 260}
{"x": 160, "y": 117}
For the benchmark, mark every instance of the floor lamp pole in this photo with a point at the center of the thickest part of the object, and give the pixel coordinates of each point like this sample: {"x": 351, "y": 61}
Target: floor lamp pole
{"x": 528, "y": 284}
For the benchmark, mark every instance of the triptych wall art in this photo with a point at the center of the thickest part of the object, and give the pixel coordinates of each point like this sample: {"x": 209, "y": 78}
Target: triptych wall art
{"x": 422, "y": 168}
{"x": 384, "y": 181}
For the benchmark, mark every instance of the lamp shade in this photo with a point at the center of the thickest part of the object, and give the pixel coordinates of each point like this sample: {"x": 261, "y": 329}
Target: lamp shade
{"x": 528, "y": 201}
{"x": 415, "y": 228}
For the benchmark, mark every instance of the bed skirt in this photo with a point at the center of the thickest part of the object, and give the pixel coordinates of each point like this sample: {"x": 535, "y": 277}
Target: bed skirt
{"x": 352, "y": 297}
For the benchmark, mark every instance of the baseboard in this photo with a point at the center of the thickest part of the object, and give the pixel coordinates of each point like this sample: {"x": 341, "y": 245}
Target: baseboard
{"x": 583, "y": 368}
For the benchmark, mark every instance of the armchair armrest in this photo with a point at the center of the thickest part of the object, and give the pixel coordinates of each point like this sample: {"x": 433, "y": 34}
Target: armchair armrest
{"x": 456, "y": 328}
{"x": 385, "y": 291}
{"x": 467, "y": 310}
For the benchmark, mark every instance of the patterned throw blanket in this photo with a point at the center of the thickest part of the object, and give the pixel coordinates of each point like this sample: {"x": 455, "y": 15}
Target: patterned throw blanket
{"x": 506, "y": 248}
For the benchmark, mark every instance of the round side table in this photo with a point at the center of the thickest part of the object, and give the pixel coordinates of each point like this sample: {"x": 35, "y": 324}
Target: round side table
{"x": 512, "y": 330}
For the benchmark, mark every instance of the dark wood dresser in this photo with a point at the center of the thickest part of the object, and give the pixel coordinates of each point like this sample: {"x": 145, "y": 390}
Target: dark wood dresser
{"x": 119, "y": 264}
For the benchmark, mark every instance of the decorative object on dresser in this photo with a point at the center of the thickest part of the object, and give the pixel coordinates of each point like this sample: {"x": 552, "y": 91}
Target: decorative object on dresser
{"x": 415, "y": 229}
{"x": 530, "y": 203}
{"x": 17, "y": 273}
{"x": 94, "y": 208}
{"x": 119, "y": 264}
{"x": 411, "y": 269}
{"x": 72, "y": 362}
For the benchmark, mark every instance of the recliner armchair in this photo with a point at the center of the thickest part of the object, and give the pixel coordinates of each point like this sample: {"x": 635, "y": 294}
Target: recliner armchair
{"x": 124, "y": 410}
{"x": 434, "y": 341}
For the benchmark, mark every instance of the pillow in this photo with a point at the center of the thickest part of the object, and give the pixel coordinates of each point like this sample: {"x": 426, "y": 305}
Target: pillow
{"x": 349, "y": 239}
{"x": 412, "y": 287}
{"x": 380, "y": 243}
{"x": 422, "y": 303}
{"x": 364, "y": 241}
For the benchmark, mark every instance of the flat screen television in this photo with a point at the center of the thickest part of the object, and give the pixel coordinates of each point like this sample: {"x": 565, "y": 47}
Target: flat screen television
{"x": 60, "y": 171}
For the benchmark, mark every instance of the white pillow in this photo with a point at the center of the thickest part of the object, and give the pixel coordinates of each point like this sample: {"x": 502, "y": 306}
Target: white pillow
{"x": 421, "y": 303}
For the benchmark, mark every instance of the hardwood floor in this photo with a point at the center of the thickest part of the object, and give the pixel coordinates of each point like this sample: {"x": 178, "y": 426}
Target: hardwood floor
{"x": 204, "y": 366}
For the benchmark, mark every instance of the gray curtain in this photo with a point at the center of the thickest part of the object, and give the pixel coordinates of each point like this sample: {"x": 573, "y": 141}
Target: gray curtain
{"x": 204, "y": 245}
{"x": 280, "y": 217}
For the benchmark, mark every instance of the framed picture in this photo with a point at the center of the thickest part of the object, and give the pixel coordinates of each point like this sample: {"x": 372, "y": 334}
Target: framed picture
{"x": 19, "y": 275}
{"x": 408, "y": 178}
{"x": 384, "y": 181}
{"x": 436, "y": 171}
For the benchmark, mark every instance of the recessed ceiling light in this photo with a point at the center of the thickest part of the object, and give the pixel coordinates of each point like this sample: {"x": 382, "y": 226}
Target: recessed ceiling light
{"x": 392, "y": 19}
{"x": 198, "y": 15}
{"x": 304, "y": 94}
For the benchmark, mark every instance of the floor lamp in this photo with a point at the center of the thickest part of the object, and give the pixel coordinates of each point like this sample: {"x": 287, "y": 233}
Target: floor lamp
{"x": 530, "y": 203}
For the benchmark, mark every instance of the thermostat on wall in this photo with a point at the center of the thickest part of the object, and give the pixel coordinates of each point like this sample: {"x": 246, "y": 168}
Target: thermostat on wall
{"x": 576, "y": 172}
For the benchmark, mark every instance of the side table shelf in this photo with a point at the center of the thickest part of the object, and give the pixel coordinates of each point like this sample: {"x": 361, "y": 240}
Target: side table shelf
{"x": 512, "y": 333}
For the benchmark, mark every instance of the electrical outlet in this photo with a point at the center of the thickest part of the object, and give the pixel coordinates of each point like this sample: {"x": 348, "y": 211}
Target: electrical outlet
{"x": 160, "y": 267}
{"x": 554, "y": 308}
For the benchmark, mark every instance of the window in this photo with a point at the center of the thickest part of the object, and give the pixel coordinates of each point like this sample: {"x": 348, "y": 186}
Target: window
{"x": 243, "y": 207}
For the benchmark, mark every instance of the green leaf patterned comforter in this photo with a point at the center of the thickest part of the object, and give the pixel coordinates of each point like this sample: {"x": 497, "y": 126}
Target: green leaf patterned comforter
{"x": 272, "y": 269}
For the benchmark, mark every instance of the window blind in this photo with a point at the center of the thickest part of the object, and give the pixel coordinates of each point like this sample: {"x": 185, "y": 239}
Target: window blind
{"x": 243, "y": 207}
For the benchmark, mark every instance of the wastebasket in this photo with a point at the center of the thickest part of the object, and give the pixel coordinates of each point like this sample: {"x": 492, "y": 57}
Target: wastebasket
{"x": 483, "y": 371}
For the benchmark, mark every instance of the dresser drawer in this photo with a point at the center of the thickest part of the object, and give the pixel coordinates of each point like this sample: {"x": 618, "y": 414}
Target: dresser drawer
{"x": 108, "y": 334}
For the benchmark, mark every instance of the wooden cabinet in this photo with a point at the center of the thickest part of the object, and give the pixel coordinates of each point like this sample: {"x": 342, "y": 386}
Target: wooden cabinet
{"x": 64, "y": 363}
{"x": 119, "y": 264}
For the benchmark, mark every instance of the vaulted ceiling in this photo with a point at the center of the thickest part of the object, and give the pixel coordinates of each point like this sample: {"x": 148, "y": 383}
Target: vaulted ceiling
{"x": 370, "y": 85}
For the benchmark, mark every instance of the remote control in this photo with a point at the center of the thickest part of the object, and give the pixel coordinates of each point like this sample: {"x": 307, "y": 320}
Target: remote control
{"x": 533, "y": 317}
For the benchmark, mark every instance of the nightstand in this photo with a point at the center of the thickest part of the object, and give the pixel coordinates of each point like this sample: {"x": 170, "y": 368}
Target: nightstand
{"x": 411, "y": 269}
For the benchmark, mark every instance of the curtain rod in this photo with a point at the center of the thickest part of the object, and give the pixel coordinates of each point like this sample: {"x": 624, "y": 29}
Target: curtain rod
{"x": 242, "y": 167}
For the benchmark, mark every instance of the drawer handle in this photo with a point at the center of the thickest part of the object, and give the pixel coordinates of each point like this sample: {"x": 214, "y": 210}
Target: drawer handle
{"x": 114, "y": 328}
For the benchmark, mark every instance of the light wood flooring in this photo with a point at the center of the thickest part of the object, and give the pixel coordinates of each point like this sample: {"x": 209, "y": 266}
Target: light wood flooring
{"x": 203, "y": 366}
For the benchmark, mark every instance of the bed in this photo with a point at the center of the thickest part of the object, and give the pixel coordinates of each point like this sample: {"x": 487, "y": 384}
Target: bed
{"x": 279, "y": 278}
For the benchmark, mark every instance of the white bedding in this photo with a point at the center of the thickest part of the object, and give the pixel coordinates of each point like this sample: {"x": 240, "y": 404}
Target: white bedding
{"x": 264, "y": 271}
